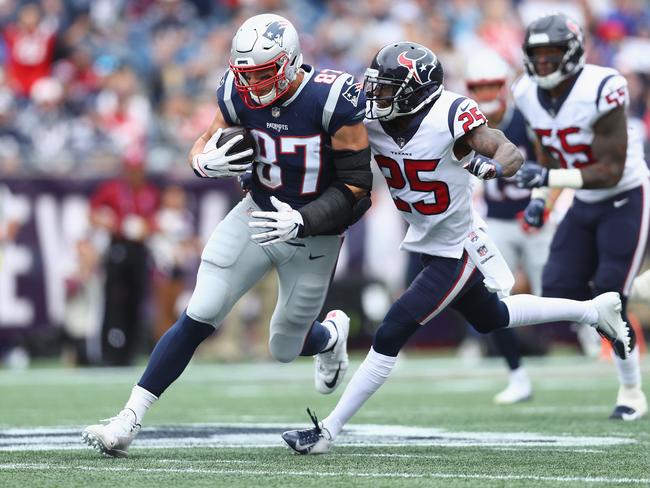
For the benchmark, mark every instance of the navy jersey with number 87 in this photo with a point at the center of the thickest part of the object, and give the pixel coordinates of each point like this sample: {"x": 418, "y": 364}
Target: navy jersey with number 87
{"x": 295, "y": 159}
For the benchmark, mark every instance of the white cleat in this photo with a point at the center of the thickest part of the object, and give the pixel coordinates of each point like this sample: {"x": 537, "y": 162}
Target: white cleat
{"x": 611, "y": 325}
{"x": 113, "y": 438}
{"x": 518, "y": 390}
{"x": 316, "y": 440}
{"x": 330, "y": 367}
{"x": 631, "y": 404}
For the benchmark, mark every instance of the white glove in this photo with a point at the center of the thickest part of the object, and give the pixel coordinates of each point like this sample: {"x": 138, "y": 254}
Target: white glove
{"x": 213, "y": 161}
{"x": 284, "y": 224}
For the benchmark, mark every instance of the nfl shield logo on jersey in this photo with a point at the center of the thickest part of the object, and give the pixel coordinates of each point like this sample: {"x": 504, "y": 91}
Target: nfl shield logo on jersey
{"x": 482, "y": 251}
{"x": 275, "y": 112}
{"x": 400, "y": 142}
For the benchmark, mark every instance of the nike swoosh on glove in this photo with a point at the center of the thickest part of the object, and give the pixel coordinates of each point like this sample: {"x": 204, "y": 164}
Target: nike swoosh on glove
{"x": 484, "y": 168}
{"x": 284, "y": 225}
{"x": 531, "y": 175}
{"x": 215, "y": 162}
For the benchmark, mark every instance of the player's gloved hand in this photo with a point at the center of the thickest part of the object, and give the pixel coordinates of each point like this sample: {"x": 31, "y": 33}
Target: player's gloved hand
{"x": 534, "y": 214}
{"x": 284, "y": 225}
{"x": 246, "y": 181}
{"x": 484, "y": 168}
{"x": 214, "y": 162}
{"x": 531, "y": 175}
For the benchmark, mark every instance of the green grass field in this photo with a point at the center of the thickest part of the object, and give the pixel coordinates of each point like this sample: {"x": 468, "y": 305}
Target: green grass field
{"x": 434, "y": 425}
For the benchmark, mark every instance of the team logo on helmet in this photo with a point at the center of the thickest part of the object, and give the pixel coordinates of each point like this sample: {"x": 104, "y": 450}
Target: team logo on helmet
{"x": 412, "y": 65}
{"x": 275, "y": 31}
{"x": 573, "y": 27}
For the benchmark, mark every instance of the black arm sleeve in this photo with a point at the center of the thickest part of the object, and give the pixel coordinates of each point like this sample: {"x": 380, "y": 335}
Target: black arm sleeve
{"x": 331, "y": 213}
{"x": 353, "y": 168}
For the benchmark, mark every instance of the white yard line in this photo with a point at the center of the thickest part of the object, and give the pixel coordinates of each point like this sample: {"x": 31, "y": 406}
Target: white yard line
{"x": 325, "y": 474}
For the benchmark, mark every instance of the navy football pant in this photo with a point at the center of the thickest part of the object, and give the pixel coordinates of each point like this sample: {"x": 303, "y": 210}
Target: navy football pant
{"x": 598, "y": 247}
{"x": 443, "y": 282}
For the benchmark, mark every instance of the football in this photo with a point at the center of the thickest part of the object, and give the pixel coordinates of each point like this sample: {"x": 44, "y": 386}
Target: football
{"x": 248, "y": 142}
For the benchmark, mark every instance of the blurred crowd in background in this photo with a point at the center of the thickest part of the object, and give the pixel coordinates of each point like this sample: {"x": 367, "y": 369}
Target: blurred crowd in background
{"x": 116, "y": 91}
{"x": 84, "y": 83}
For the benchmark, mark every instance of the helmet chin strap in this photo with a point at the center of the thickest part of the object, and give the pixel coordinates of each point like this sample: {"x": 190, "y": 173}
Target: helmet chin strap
{"x": 266, "y": 98}
{"x": 491, "y": 107}
{"x": 551, "y": 80}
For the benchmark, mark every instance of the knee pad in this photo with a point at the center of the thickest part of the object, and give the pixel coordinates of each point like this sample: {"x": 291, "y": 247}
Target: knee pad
{"x": 285, "y": 348}
{"x": 209, "y": 298}
{"x": 396, "y": 329}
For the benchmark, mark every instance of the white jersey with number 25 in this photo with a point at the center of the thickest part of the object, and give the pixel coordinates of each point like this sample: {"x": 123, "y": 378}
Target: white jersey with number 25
{"x": 427, "y": 181}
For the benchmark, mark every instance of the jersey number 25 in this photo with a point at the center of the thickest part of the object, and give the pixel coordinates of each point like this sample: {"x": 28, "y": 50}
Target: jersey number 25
{"x": 412, "y": 169}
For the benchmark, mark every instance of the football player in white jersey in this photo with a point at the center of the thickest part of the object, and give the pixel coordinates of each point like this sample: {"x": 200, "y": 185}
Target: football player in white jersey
{"x": 425, "y": 139}
{"x": 577, "y": 111}
{"x": 311, "y": 179}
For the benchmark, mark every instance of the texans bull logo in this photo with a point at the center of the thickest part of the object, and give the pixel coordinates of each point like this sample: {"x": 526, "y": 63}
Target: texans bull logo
{"x": 275, "y": 31}
{"x": 413, "y": 67}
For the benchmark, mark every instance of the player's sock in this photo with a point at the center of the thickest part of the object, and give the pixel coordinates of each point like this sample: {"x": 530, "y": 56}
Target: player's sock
{"x": 508, "y": 345}
{"x": 641, "y": 287}
{"x": 629, "y": 370}
{"x": 530, "y": 309}
{"x": 368, "y": 378}
{"x": 172, "y": 354}
{"x": 139, "y": 402}
{"x": 319, "y": 338}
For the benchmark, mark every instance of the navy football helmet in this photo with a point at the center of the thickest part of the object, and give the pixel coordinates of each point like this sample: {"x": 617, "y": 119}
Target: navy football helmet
{"x": 555, "y": 30}
{"x": 402, "y": 78}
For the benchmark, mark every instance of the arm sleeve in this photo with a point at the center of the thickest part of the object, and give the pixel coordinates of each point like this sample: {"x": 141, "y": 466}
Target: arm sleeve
{"x": 464, "y": 116}
{"x": 228, "y": 99}
{"x": 345, "y": 104}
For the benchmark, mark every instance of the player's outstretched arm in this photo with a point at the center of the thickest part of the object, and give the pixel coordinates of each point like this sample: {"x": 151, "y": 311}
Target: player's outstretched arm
{"x": 492, "y": 143}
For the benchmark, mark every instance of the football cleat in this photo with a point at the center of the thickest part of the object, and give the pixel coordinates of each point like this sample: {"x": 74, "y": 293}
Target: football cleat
{"x": 611, "y": 325}
{"x": 518, "y": 390}
{"x": 113, "y": 438}
{"x": 316, "y": 440}
{"x": 330, "y": 366}
{"x": 631, "y": 404}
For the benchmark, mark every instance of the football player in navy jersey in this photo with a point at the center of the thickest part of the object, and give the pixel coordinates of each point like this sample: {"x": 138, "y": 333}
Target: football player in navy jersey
{"x": 578, "y": 112}
{"x": 311, "y": 179}
{"x": 486, "y": 79}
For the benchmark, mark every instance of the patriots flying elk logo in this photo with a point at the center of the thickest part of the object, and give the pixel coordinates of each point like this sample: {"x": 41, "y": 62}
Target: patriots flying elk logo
{"x": 412, "y": 65}
{"x": 275, "y": 31}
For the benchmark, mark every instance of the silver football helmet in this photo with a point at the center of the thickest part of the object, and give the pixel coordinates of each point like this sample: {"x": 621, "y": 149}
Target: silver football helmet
{"x": 487, "y": 69}
{"x": 265, "y": 42}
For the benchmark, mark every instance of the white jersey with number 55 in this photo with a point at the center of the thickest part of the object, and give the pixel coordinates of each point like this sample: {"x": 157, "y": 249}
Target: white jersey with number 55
{"x": 427, "y": 181}
{"x": 565, "y": 126}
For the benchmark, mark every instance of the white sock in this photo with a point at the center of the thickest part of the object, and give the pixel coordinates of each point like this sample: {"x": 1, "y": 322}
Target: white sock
{"x": 139, "y": 402}
{"x": 366, "y": 380}
{"x": 530, "y": 310}
{"x": 334, "y": 334}
{"x": 641, "y": 287}
{"x": 629, "y": 370}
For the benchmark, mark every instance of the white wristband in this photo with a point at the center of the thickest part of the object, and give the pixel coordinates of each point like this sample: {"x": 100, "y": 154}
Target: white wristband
{"x": 540, "y": 193}
{"x": 565, "y": 178}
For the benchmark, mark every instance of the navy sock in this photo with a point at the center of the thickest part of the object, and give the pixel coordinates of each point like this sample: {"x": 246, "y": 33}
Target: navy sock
{"x": 316, "y": 340}
{"x": 172, "y": 354}
{"x": 508, "y": 345}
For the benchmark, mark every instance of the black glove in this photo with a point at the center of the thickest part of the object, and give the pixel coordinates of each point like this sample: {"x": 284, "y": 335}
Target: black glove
{"x": 535, "y": 213}
{"x": 531, "y": 175}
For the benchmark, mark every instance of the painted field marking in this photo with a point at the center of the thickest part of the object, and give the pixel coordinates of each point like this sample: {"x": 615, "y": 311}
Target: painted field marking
{"x": 325, "y": 474}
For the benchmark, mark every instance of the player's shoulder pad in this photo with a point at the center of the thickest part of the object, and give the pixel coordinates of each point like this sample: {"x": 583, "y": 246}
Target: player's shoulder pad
{"x": 228, "y": 98}
{"x": 612, "y": 90}
{"x": 464, "y": 116}
{"x": 345, "y": 102}
{"x": 520, "y": 86}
